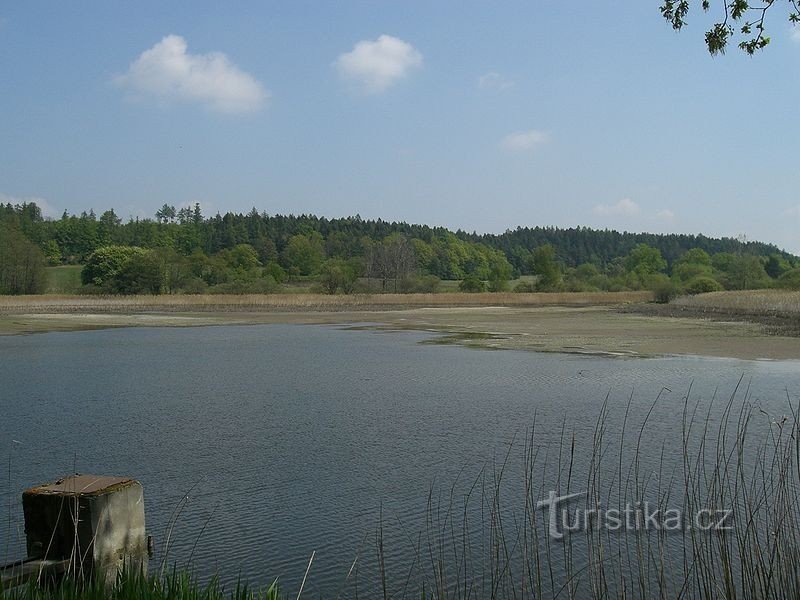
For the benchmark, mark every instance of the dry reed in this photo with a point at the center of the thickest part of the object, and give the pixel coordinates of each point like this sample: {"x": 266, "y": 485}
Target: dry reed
{"x": 303, "y": 302}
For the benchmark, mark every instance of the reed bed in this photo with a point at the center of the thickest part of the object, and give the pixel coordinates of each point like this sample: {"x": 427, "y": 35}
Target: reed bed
{"x": 304, "y": 302}
{"x": 746, "y": 302}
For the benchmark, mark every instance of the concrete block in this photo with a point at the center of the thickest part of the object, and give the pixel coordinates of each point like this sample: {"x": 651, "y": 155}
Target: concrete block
{"x": 95, "y": 522}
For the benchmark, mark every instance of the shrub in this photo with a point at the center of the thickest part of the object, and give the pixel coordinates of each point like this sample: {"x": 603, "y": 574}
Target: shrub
{"x": 276, "y": 272}
{"x": 195, "y": 285}
{"x": 143, "y": 273}
{"x": 789, "y": 280}
{"x": 663, "y": 288}
{"x": 525, "y": 287}
{"x": 427, "y": 284}
{"x": 472, "y": 284}
{"x": 498, "y": 285}
{"x": 702, "y": 285}
{"x": 337, "y": 275}
{"x": 105, "y": 263}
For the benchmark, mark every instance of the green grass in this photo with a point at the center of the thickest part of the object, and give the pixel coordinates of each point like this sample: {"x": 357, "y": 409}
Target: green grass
{"x": 178, "y": 586}
{"x": 63, "y": 280}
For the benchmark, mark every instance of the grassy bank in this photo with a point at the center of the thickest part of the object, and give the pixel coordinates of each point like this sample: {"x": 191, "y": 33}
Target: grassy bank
{"x": 178, "y": 586}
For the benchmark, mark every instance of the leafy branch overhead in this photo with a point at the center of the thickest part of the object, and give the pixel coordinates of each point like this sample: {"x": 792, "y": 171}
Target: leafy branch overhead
{"x": 738, "y": 19}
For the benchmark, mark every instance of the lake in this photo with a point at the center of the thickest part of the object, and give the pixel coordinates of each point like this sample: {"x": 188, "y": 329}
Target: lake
{"x": 294, "y": 439}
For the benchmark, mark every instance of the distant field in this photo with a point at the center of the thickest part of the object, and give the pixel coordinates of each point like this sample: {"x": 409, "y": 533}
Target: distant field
{"x": 63, "y": 280}
{"x": 302, "y": 302}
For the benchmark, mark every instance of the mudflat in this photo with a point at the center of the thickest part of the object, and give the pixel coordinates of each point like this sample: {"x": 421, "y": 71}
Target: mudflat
{"x": 568, "y": 323}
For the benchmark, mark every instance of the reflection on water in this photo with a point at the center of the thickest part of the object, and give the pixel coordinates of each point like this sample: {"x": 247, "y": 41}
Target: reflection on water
{"x": 294, "y": 439}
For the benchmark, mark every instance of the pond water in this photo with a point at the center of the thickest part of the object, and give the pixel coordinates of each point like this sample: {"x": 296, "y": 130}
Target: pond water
{"x": 297, "y": 439}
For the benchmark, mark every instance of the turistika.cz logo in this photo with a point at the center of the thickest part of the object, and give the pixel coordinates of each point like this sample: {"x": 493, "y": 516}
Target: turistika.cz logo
{"x": 637, "y": 516}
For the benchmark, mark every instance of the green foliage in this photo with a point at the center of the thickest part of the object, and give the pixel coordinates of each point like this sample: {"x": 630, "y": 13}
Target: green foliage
{"x": 525, "y": 287}
{"x": 664, "y": 289}
{"x": 472, "y": 284}
{"x": 776, "y": 266}
{"x": 737, "y": 18}
{"x": 500, "y": 270}
{"x": 105, "y": 263}
{"x": 547, "y": 269}
{"x": 427, "y": 284}
{"x": 52, "y": 252}
{"x": 644, "y": 261}
{"x": 276, "y": 271}
{"x": 336, "y": 275}
{"x": 143, "y": 273}
{"x": 223, "y": 249}
{"x": 789, "y": 280}
{"x": 702, "y": 285}
{"x": 745, "y": 273}
{"x": 692, "y": 264}
{"x": 722, "y": 261}
{"x": 243, "y": 257}
{"x": 22, "y": 264}
{"x": 304, "y": 254}
{"x": 498, "y": 285}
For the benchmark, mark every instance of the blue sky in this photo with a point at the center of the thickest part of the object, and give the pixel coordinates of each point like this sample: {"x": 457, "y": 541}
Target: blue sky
{"x": 473, "y": 115}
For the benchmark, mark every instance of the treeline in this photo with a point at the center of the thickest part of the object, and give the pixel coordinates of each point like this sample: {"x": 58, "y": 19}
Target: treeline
{"x": 183, "y": 251}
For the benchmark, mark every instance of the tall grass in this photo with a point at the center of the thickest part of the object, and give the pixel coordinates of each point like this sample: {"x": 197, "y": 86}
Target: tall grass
{"x": 745, "y": 302}
{"x": 492, "y": 541}
{"x": 303, "y": 302}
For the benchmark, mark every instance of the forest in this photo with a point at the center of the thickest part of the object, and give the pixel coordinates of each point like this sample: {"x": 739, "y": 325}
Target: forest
{"x": 183, "y": 251}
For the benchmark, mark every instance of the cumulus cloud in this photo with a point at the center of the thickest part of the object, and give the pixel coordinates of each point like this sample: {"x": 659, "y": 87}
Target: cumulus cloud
{"x": 624, "y": 208}
{"x": 494, "y": 81}
{"x": 665, "y": 214}
{"x": 377, "y": 65}
{"x": 47, "y": 209}
{"x": 168, "y": 72}
{"x": 520, "y": 141}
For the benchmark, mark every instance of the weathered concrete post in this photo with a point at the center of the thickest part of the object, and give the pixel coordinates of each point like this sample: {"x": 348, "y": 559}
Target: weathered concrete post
{"x": 95, "y": 523}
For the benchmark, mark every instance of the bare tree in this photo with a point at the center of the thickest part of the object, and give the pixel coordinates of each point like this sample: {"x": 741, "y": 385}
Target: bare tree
{"x": 392, "y": 260}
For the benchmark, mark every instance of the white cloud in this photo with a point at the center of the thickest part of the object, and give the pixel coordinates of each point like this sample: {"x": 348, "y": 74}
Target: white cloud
{"x": 47, "y": 209}
{"x": 624, "y": 208}
{"x": 168, "y": 72}
{"x": 494, "y": 81}
{"x": 377, "y": 65}
{"x": 524, "y": 140}
{"x": 665, "y": 214}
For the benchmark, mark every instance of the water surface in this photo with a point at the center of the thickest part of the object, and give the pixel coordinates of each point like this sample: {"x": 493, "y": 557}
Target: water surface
{"x": 293, "y": 439}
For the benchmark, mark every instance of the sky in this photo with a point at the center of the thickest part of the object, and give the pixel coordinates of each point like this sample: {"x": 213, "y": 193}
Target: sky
{"x": 473, "y": 115}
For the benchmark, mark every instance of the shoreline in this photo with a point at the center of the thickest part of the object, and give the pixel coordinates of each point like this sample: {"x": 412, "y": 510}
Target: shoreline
{"x": 558, "y": 323}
